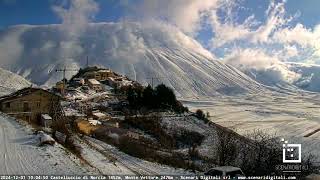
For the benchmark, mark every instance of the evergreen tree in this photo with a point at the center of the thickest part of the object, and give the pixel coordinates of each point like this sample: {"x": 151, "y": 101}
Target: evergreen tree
{"x": 165, "y": 96}
{"x": 148, "y": 97}
{"x": 134, "y": 97}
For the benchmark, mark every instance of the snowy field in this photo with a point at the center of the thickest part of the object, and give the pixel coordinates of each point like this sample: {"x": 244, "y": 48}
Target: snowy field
{"x": 293, "y": 117}
{"x": 20, "y": 155}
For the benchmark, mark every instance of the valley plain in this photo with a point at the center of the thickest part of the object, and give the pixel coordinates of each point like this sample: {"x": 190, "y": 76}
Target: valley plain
{"x": 294, "y": 117}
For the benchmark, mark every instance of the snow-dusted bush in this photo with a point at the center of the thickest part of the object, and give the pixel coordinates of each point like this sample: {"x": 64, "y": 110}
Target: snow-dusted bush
{"x": 44, "y": 138}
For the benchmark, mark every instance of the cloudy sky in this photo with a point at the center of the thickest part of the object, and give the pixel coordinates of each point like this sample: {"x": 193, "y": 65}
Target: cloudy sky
{"x": 270, "y": 31}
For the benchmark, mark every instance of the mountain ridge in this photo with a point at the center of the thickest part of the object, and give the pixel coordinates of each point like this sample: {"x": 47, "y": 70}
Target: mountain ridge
{"x": 10, "y": 82}
{"x": 140, "y": 51}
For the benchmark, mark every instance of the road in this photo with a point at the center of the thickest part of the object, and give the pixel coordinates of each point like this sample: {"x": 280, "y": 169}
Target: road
{"x": 20, "y": 155}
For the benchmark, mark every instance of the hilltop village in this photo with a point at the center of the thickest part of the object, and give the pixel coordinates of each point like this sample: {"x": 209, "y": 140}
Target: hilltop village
{"x": 100, "y": 103}
{"x": 99, "y": 106}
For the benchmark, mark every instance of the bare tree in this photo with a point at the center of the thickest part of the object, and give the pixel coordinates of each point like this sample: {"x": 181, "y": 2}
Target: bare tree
{"x": 309, "y": 165}
{"x": 227, "y": 147}
{"x": 261, "y": 153}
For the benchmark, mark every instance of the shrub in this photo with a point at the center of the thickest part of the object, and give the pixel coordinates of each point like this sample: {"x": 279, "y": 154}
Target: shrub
{"x": 200, "y": 115}
{"x": 188, "y": 138}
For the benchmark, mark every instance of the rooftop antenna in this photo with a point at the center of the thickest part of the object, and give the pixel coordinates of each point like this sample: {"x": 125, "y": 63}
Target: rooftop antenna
{"x": 64, "y": 77}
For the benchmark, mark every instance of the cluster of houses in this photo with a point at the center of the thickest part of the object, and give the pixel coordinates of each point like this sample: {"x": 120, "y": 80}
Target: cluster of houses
{"x": 87, "y": 98}
{"x": 96, "y": 79}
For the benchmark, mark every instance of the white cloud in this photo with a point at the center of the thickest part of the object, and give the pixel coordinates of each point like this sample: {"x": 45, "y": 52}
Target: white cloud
{"x": 279, "y": 34}
{"x": 299, "y": 34}
{"x": 289, "y": 51}
{"x": 275, "y": 14}
{"x": 10, "y": 48}
{"x": 75, "y": 19}
{"x": 274, "y": 33}
{"x": 185, "y": 14}
{"x": 230, "y": 30}
{"x": 250, "y": 58}
{"x": 191, "y": 15}
{"x": 262, "y": 66}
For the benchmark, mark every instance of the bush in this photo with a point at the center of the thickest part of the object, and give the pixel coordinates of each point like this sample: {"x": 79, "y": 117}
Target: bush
{"x": 71, "y": 145}
{"x": 132, "y": 147}
{"x": 188, "y": 138}
{"x": 179, "y": 108}
{"x": 151, "y": 125}
{"x": 200, "y": 115}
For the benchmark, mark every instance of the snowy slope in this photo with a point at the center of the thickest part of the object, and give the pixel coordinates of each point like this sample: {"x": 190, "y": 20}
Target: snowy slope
{"x": 20, "y": 155}
{"x": 142, "y": 52}
{"x": 10, "y": 82}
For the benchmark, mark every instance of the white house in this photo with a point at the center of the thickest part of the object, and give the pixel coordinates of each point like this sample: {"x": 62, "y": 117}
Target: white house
{"x": 94, "y": 84}
{"x": 46, "y": 120}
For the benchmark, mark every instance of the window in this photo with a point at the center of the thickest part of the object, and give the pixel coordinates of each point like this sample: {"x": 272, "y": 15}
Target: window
{"x": 8, "y": 105}
{"x": 26, "y": 107}
{"x": 38, "y": 104}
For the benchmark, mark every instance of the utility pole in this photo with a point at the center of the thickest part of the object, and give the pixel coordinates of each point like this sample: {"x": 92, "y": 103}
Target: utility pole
{"x": 87, "y": 61}
{"x": 64, "y": 77}
{"x": 155, "y": 77}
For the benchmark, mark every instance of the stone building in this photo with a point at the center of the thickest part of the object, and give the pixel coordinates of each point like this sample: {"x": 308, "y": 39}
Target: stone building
{"x": 29, "y": 104}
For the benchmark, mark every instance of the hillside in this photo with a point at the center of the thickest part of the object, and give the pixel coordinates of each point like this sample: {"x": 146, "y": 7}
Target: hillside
{"x": 144, "y": 53}
{"x": 10, "y": 82}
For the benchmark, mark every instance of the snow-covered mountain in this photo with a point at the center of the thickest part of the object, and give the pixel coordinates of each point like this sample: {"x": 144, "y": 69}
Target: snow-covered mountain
{"x": 10, "y": 82}
{"x": 141, "y": 51}
{"x": 309, "y": 76}
{"x": 289, "y": 75}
